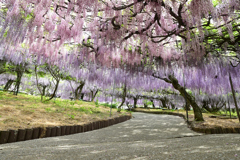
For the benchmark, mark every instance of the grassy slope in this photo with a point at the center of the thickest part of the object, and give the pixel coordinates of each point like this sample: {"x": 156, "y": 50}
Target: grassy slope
{"x": 24, "y": 111}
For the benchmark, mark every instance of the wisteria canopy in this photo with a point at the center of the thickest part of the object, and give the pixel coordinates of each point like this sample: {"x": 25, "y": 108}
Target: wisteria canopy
{"x": 145, "y": 45}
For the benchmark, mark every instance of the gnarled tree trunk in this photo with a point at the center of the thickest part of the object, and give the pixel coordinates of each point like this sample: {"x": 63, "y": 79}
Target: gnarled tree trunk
{"x": 93, "y": 95}
{"x": 56, "y": 75}
{"x": 78, "y": 91}
{"x": 164, "y": 101}
{"x": 196, "y": 109}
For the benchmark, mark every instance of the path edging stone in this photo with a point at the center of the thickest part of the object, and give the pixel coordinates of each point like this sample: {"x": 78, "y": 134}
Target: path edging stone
{"x": 10, "y": 136}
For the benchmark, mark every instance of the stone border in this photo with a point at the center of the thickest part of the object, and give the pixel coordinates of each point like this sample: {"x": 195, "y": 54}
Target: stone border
{"x": 206, "y": 130}
{"x": 10, "y": 136}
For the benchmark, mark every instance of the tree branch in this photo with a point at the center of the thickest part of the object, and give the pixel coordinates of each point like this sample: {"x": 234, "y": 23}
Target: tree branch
{"x": 165, "y": 79}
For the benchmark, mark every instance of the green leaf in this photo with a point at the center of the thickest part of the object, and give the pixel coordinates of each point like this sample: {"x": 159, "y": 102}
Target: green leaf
{"x": 5, "y": 34}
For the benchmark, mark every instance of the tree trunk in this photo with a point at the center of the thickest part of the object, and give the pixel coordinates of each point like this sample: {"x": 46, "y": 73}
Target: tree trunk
{"x": 234, "y": 98}
{"x": 8, "y": 85}
{"x": 123, "y": 100}
{"x": 44, "y": 90}
{"x": 145, "y": 105}
{"x": 186, "y": 107}
{"x": 229, "y": 107}
{"x": 163, "y": 103}
{"x": 39, "y": 89}
{"x": 55, "y": 91}
{"x": 135, "y": 99}
{"x": 18, "y": 81}
{"x": 123, "y": 97}
{"x": 78, "y": 91}
{"x": 94, "y": 95}
{"x": 129, "y": 107}
{"x": 196, "y": 109}
{"x": 82, "y": 95}
{"x": 153, "y": 103}
{"x": 91, "y": 95}
{"x": 55, "y": 73}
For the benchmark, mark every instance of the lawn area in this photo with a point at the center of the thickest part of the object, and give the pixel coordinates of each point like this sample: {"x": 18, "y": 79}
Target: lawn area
{"x": 26, "y": 111}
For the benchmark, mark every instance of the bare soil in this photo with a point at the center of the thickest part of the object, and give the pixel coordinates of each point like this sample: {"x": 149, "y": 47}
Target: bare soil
{"x": 24, "y": 111}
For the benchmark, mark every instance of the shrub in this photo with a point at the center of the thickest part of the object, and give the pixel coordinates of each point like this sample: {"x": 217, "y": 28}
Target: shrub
{"x": 213, "y": 104}
{"x": 114, "y": 105}
{"x": 97, "y": 103}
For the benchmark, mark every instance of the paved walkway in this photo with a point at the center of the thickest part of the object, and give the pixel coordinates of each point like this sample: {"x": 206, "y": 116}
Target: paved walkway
{"x": 146, "y": 136}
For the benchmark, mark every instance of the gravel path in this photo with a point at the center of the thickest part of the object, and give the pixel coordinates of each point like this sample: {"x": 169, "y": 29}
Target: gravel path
{"x": 146, "y": 136}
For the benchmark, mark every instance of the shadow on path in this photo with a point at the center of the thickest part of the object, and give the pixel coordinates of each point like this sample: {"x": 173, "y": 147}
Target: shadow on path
{"x": 146, "y": 136}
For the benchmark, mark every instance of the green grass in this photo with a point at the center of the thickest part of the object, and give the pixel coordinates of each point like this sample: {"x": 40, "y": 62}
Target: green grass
{"x": 109, "y": 105}
{"x": 23, "y": 111}
{"x": 48, "y": 109}
{"x": 71, "y": 116}
{"x": 96, "y": 103}
{"x": 228, "y": 113}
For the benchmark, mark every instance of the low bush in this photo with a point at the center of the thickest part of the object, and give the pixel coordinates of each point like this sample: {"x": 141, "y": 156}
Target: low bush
{"x": 114, "y": 105}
